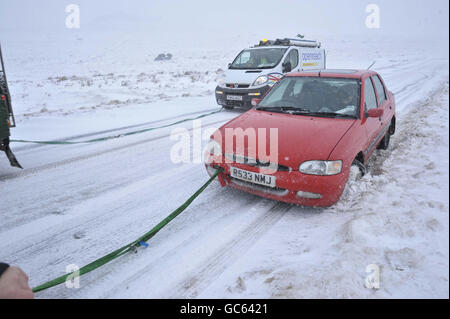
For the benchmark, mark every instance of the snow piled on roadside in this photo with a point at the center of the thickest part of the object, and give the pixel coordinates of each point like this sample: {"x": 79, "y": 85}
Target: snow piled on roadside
{"x": 396, "y": 217}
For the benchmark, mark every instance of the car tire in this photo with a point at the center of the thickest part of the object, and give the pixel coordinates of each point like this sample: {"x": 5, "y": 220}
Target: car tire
{"x": 362, "y": 168}
{"x": 357, "y": 171}
{"x": 384, "y": 144}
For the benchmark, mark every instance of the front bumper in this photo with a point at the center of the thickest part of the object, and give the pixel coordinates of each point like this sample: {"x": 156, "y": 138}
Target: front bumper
{"x": 246, "y": 94}
{"x": 288, "y": 183}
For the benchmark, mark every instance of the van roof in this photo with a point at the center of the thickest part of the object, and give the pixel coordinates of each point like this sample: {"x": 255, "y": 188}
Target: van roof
{"x": 289, "y": 42}
{"x": 279, "y": 47}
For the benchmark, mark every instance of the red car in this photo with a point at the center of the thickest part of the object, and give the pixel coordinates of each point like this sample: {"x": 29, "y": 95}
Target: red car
{"x": 318, "y": 123}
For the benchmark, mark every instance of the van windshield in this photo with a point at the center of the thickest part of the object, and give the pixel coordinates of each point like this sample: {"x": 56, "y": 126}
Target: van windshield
{"x": 266, "y": 58}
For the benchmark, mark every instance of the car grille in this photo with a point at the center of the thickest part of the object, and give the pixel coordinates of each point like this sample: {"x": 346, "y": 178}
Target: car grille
{"x": 254, "y": 162}
{"x": 261, "y": 188}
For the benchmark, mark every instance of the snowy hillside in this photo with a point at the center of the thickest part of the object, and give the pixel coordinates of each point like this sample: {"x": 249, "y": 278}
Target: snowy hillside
{"x": 74, "y": 203}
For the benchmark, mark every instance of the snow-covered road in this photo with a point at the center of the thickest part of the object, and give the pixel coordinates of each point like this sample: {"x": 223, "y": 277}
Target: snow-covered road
{"x": 74, "y": 203}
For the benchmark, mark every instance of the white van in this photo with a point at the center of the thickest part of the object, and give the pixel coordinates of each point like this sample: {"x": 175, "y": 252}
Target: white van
{"x": 255, "y": 70}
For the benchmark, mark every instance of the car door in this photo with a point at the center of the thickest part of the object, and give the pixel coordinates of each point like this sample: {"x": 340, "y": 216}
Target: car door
{"x": 373, "y": 125}
{"x": 383, "y": 101}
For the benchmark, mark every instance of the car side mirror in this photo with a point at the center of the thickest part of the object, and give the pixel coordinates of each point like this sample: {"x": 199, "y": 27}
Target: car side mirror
{"x": 287, "y": 67}
{"x": 375, "y": 112}
{"x": 229, "y": 64}
{"x": 255, "y": 101}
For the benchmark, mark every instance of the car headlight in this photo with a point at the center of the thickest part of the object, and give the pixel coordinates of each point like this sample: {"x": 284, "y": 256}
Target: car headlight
{"x": 261, "y": 80}
{"x": 321, "y": 167}
{"x": 221, "y": 82}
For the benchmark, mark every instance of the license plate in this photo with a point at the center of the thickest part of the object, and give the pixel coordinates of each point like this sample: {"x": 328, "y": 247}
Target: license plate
{"x": 234, "y": 97}
{"x": 252, "y": 177}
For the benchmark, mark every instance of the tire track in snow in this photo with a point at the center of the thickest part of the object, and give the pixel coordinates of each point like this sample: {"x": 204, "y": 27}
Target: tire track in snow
{"x": 38, "y": 169}
{"x": 83, "y": 217}
{"x": 187, "y": 247}
{"x": 227, "y": 254}
{"x": 183, "y": 236}
{"x": 117, "y": 129}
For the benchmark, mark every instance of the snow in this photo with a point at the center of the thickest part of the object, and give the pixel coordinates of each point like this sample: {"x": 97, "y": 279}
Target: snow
{"x": 74, "y": 203}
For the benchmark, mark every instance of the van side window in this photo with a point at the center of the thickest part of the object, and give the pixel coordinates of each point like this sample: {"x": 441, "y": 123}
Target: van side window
{"x": 292, "y": 57}
{"x": 369, "y": 95}
{"x": 380, "y": 90}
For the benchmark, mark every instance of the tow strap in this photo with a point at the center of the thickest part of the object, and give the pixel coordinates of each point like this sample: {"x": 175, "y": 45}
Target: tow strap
{"x": 141, "y": 241}
{"x": 101, "y": 139}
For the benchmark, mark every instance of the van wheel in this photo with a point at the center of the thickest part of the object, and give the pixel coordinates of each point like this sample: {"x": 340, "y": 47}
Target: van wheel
{"x": 384, "y": 144}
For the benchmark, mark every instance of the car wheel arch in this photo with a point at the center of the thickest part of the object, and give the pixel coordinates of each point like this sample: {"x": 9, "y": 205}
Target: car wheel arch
{"x": 359, "y": 161}
{"x": 392, "y": 125}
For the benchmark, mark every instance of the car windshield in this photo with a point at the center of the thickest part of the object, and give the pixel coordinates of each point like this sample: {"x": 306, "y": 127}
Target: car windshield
{"x": 318, "y": 96}
{"x": 266, "y": 58}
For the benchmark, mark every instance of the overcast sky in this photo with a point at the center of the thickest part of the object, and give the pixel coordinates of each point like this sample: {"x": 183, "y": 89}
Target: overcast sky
{"x": 216, "y": 18}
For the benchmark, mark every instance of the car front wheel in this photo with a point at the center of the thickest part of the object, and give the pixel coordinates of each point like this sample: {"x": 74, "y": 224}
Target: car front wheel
{"x": 352, "y": 187}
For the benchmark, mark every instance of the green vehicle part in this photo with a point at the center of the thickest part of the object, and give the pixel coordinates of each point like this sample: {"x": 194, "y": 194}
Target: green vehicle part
{"x": 6, "y": 116}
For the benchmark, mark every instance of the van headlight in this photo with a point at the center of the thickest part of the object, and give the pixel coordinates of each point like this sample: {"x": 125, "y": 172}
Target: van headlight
{"x": 260, "y": 80}
{"x": 221, "y": 82}
{"x": 321, "y": 167}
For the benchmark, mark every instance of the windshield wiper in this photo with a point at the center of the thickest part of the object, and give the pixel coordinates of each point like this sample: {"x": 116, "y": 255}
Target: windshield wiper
{"x": 284, "y": 109}
{"x": 332, "y": 114}
{"x": 302, "y": 111}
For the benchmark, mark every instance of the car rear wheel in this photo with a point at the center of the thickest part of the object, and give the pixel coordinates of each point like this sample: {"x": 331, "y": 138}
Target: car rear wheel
{"x": 384, "y": 144}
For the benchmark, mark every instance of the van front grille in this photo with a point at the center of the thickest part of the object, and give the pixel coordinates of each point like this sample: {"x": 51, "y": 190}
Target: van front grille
{"x": 237, "y": 86}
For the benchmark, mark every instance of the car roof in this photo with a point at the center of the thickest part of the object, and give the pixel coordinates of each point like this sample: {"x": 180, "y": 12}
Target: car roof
{"x": 340, "y": 73}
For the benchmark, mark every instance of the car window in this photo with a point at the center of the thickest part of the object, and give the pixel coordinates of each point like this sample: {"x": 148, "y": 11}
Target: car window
{"x": 297, "y": 88}
{"x": 315, "y": 94}
{"x": 380, "y": 90}
{"x": 292, "y": 57}
{"x": 243, "y": 58}
{"x": 370, "y": 97}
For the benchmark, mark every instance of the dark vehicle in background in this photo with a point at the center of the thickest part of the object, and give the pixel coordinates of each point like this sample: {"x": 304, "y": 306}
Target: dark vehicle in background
{"x": 6, "y": 115}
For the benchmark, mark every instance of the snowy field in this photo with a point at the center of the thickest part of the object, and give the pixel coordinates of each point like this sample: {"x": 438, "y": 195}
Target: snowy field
{"x": 74, "y": 203}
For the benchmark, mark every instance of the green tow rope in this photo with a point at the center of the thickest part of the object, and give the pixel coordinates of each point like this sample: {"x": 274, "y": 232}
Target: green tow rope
{"x": 131, "y": 246}
{"x": 101, "y": 139}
